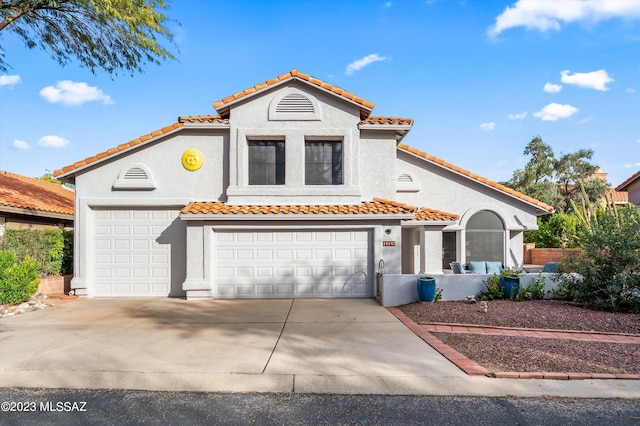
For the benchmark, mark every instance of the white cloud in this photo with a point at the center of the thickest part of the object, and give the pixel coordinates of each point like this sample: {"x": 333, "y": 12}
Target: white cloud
{"x": 627, "y": 166}
{"x": 548, "y": 15}
{"x": 631, "y": 90}
{"x": 597, "y": 80}
{"x": 585, "y": 120}
{"x": 9, "y": 80}
{"x": 517, "y": 116}
{"x": 552, "y": 88}
{"x": 361, "y": 63}
{"x": 21, "y": 145}
{"x": 51, "y": 141}
{"x": 488, "y": 126}
{"x": 70, "y": 92}
{"x": 554, "y": 112}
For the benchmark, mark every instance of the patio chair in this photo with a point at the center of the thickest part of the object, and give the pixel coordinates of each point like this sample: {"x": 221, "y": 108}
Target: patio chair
{"x": 457, "y": 268}
{"x": 550, "y": 267}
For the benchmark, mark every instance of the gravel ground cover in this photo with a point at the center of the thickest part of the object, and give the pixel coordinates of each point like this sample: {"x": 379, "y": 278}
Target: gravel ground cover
{"x": 522, "y": 354}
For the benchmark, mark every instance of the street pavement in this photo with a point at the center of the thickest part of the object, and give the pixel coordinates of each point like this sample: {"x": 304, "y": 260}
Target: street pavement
{"x": 350, "y": 346}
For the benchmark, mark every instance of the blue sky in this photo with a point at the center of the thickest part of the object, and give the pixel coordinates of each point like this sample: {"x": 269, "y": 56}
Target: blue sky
{"x": 480, "y": 79}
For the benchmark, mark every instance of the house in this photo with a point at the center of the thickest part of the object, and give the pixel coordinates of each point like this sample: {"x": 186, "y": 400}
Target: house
{"x": 293, "y": 190}
{"x": 33, "y": 203}
{"x": 632, "y": 187}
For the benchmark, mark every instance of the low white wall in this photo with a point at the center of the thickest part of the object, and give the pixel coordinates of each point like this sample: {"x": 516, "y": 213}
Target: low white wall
{"x": 399, "y": 289}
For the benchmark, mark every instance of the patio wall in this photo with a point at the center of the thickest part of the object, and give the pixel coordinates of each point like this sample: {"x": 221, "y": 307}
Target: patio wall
{"x": 398, "y": 289}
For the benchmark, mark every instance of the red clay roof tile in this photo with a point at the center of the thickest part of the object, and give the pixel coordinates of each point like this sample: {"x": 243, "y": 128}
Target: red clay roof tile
{"x": 377, "y": 206}
{"x": 486, "y": 181}
{"x": 365, "y": 106}
{"x": 34, "y": 194}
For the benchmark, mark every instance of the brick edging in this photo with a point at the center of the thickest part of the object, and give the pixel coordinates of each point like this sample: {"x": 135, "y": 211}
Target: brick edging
{"x": 544, "y": 330}
{"x": 472, "y": 368}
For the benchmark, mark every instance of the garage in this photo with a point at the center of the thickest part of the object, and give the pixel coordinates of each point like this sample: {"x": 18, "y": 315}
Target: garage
{"x": 293, "y": 263}
{"x": 133, "y": 251}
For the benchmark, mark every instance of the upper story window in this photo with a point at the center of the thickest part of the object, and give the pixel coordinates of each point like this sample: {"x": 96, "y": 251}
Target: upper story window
{"x": 323, "y": 163}
{"x": 266, "y": 162}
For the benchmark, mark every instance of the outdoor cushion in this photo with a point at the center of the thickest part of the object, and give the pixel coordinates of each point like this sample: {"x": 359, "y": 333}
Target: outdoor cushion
{"x": 478, "y": 267}
{"x": 494, "y": 267}
{"x": 550, "y": 267}
{"x": 457, "y": 268}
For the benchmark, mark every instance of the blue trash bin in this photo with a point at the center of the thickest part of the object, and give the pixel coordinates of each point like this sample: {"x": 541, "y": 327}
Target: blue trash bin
{"x": 426, "y": 289}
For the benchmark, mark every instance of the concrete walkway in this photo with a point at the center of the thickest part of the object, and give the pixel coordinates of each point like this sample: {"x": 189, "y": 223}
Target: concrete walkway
{"x": 351, "y": 346}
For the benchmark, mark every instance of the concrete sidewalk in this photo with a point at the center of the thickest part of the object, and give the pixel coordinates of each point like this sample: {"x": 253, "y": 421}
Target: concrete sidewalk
{"x": 351, "y": 346}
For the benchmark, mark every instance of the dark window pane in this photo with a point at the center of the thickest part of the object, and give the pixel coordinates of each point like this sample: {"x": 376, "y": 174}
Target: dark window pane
{"x": 485, "y": 237}
{"x": 323, "y": 163}
{"x": 266, "y": 163}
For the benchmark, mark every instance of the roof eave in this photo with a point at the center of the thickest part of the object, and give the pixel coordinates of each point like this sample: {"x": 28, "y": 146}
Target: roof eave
{"x": 61, "y": 174}
{"x": 35, "y": 212}
{"x": 297, "y": 216}
{"x": 224, "y": 106}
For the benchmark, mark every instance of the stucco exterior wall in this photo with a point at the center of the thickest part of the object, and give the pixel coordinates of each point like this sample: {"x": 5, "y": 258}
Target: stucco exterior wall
{"x": 634, "y": 192}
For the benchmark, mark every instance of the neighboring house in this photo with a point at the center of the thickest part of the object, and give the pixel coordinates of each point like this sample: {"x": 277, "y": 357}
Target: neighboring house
{"x": 293, "y": 190}
{"x": 632, "y": 187}
{"x": 33, "y": 203}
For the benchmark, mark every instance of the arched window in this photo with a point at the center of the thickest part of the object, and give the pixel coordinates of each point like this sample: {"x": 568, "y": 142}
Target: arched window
{"x": 485, "y": 237}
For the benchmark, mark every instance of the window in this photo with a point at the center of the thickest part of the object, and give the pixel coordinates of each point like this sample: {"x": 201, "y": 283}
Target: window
{"x": 485, "y": 237}
{"x": 266, "y": 162}
{"x": 323, "y": 163}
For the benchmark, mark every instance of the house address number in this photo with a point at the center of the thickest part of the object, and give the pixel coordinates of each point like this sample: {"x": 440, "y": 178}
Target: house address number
{"x": 388, "y": 244}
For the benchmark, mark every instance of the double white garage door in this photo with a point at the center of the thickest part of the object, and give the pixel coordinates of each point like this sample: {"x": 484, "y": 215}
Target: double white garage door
{"x": 318, "y": 263}
{"x": 133, "y": 252}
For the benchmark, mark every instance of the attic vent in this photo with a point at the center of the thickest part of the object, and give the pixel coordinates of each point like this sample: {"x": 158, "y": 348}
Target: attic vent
{"x": 406, "y": 183}
{"x": 135, "y": 173}
{"x": 405, "y": 178}
{"x": 135, "y": 177}
{"x": 295, "y": 103}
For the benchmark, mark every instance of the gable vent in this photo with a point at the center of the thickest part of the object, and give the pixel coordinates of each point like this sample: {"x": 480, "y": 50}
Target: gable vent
{"x": 135, "y": 173}
{"x": 295, "y": 103}
{"x": 405, "y": 178}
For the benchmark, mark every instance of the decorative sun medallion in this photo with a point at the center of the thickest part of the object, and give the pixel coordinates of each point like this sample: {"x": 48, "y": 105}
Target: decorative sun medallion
{"x": 192, "y": 159}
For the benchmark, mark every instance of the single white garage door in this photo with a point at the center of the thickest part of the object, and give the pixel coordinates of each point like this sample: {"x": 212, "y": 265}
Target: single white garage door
{"x": 275, "y": 263}
{"x": 132, "y": 252}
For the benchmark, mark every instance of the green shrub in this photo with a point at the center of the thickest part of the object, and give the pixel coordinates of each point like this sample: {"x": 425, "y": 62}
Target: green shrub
{"x": 493, "y": 290}
{"x": 534, "y": 291}
{"x": 44, "y": 246}
{"x": 18, "y": 281}
{"x": 67, "y": 253}
{"x": 607, "y": 275}
{"x": 559, "y": 230}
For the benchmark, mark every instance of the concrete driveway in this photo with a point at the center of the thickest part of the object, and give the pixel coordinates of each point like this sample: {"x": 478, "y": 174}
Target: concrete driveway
{"x": 285, "y": 345}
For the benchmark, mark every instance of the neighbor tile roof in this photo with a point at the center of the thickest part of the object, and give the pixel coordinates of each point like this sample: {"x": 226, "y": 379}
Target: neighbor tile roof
{"x": 377, "y": 206}
{"x": 624, "y": 185}
{"x": 34, "y": 194}
{"x": 365, "y": 110}
{"x": 618, "y": 197}
{"x": 476, "y": 177}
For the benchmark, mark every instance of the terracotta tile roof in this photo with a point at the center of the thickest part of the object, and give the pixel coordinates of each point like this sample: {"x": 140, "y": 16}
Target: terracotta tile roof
{"x": 377, "y": 206}
{"x": 388, "y": 120}
{"x": 618, "y": 197}
{"x": 202, "y": 119}
{"x": 476, "y": 177}
{"x": 624, "y": 185}
{"x": 122, "y": 147}
{"x": 34, "y": 194}
{"x": 365, "y": 109}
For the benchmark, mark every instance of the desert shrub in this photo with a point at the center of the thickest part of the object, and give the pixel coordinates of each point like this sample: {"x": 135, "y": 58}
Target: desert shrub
{"x": 18, "y": 281}
{"x": 44, "y": 246}
{"x": 493, "y": 290}
{"x": 607, "y": 275}
{"x": 534, "y": 291}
